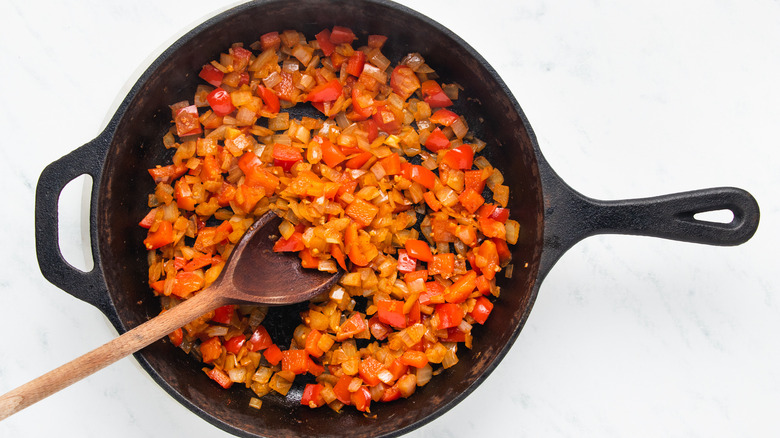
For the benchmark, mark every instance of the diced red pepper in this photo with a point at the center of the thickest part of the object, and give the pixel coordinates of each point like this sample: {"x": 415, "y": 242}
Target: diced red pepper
{"x": 273, "y": 354}
{"x": 211, "y": 349}
{"x": 355, "y": 63}
{"x": 362, "y": 212}
{"x": 211, "y": 170}
{"x": 163, "y": 236}
{"x": 483, "y": 284}
{"x": 359, "y": 160}
{"x": 179, "y": 263}
{"x": 341, "y": 388}
{"x": 292, "y": 244}
{"x": 270, "y": 40}
{"x": 450, "y": 315}
{"x": 352, "y": 246}
{"x": 361, "y": 399}
{"x": 326, "y": 92}
{"x": 312, "y": 396}
{"x": 176, "y": 337}
{"x": 234, "y": 344}
{"x": 391, "y": 312}
{"x": 416, "y": 275}
{"x": 256, "y": 175}
{"x": 241, "y": 58}
{"x": 419, "y": 250}
{"x": 433, "y": 203}
{"x": 331, "y": 154}
{"x": 183, "y": 194}
{"x": 187, "y": 122}
{"x": 415, "y": 315}
{"x": 500, "y": 214}
{"x": 219, "y": 100}
{"x": 397, "y": 368}
{"x": 220, "y": 377}
{"x": 404, "y": 81}
{"x": 423, "y": 176}
{"x": 308, "y": 260}
{"x": 166, "y": 174}
{"x": 260, "y": 339}
{"x": 376, "y": 41}
{"x": 199, "y": 262}
{"x": 225, "y": 194}
{"x": 391, "y": 393}
{"x": 442, "y": 264}
{"x": 434, "y": 95}
{"x": 186, "y": 283}
{"x": 461, "y": 157}
{"x": 391, "y": 164}
{"x": 482, "y": 309}
{"x": 354, "y": 325}
{"x": 338, "y": 254}
{"x": 212, "y": 75}
{"x": 369, "y": 126}
{"x": 323, "y": 39}
{"x": 504, "y": 254}
{"x": 437, "y": 141}
{"x": 311, "y": 343}
{"x": 378, "y": 329}
{"x": 473, "y": 180}
{"x": 471, "y": 200}
{"x": 492, "y": 228}
{"x": 434, "y": 293}
{"x": 295, "y": 361}
{"x": 286, "y": 156}
{"x": 313, "y": 367}
{"x": 454, "y": 335}
{"x": 460, "y": 290}
{"x": 386, "y": 120}
{"x": 270, "y": 100}
{"x": 369, "y": 369}
{"x": 444, "y": 117}
{"x": 224, "y": 314}
{"x": 148, "y": 220}
{"x": 487, "y": 259}
{"x": 341, "y": 35}
{"x": 486, "y": 210}
{"x": 413, "y": 358}
{"x": 362, "y": 103}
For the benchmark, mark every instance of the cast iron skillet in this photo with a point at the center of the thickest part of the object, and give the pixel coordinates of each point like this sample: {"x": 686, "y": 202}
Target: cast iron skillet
{"x": 553, "y": 217}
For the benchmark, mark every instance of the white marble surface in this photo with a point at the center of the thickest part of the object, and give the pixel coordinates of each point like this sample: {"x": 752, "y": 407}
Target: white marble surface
{"x": 629, "y": 337}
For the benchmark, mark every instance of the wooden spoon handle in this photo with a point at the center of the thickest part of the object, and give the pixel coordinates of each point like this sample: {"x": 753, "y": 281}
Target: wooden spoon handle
{"x": 97, "y": 359}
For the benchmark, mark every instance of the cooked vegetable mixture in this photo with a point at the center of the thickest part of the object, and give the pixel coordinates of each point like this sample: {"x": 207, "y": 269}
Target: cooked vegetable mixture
{"x": 387, "y": 185}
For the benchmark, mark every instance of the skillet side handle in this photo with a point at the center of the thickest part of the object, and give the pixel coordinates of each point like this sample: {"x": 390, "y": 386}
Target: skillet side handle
{"x": 86, "y": 286}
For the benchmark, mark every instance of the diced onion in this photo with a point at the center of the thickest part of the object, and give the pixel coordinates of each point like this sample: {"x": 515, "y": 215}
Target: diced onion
{"x": 356, "y": 194}
{"x": 424, "y": 375}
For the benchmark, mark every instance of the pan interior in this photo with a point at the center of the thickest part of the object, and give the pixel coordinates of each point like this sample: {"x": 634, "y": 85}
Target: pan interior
{"x": 491, "y": 113}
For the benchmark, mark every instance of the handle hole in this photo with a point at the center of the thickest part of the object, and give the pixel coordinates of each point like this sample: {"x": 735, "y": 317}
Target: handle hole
{"x": 723, "y": 216}
{"x": 73, "y": 221}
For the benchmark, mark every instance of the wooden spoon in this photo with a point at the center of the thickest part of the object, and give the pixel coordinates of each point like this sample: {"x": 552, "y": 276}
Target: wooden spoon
{"x": 253, "y": 274}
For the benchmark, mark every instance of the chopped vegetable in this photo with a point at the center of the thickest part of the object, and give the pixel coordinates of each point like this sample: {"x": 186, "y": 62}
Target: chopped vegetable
{"x": 382, "y": 186}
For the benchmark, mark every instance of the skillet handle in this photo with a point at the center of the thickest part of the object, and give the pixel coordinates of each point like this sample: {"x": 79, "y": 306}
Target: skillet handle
{"x": 571, "y": 217}
{"x": 86, "y": 286}
{"x": 672, "y": 216}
